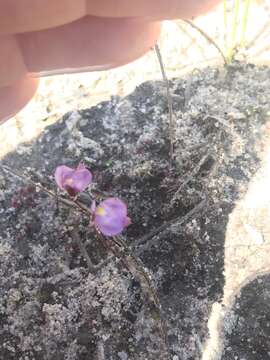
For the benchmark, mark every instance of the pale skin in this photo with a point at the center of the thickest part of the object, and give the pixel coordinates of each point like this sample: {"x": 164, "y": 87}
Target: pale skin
{"x": 39, "y": 37}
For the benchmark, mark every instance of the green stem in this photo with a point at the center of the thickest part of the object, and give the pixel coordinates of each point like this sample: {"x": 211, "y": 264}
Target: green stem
{"x": 234, "y": 28}
{"x": 244, "y": 26}
{"x": 225, "y": 19}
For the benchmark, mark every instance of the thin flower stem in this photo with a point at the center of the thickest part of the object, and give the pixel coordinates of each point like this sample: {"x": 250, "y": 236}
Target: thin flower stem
{"x": 146, "y": 281}
{"x": 169, "y": 101}
{"x": 136, "y": 268}
{"x": 83, "y": 208}
{"x": 83, "y": 250}
{"x": 102, "y": 194}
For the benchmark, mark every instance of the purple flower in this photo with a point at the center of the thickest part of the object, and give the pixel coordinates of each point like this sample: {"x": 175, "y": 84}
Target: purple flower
{"x": 110, "y": 216}
{"x": 72, "y": 180}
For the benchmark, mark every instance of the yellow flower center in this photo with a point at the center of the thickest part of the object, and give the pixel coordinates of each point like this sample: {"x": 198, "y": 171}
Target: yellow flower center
{"x": 100, "y": 211}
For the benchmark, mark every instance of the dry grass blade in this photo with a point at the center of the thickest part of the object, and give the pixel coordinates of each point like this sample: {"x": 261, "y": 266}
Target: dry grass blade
{"x": 226, "y": 126}
{"x": 169, "y": 100}
{"x": 208, "y": 38}
{"x": 193, "y": 173}
{"x": 262, "y": 32}
{"x": 141, "y": 241}
{"x": 148, "y": 287}
{"x": 136, "y": 268}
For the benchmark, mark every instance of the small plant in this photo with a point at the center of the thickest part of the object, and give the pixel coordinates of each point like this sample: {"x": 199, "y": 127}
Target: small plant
{"x": 110, "y": 216}
{"x": 109, "y": 219}
{"x": 233, "y": 39}
{"x": 240, "y": 9}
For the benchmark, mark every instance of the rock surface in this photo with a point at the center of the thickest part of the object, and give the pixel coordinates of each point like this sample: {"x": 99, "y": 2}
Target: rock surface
{"x": 51, "y": 307}
{"x": 249, "y": 333}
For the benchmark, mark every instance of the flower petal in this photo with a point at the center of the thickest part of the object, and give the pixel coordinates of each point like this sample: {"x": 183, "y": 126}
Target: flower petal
{"x": 72, "y": 180}
{"x": 61, "y": 173}
{"x": 111, "y": 217}
{"x": 81, "y": 178}
{"x": 115, "y": 205}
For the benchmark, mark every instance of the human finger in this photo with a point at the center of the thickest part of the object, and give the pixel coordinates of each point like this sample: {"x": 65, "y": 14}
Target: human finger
{"x": 14, "y": 98}
{"x": 159, "y": 9}
{"x": 90, "y": 43}
{"x": 31, "y": 15}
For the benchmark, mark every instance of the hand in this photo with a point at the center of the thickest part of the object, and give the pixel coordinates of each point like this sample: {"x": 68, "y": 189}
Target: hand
{"x": 39, "y": 37}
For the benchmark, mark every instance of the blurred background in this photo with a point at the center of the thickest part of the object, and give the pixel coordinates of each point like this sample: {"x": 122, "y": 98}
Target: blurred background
{"x": 240, "y": 28}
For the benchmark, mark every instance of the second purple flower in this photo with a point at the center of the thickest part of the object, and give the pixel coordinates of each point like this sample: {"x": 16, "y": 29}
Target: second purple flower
{"x": 110, "y": 216}
{"x": 73, "y": 181}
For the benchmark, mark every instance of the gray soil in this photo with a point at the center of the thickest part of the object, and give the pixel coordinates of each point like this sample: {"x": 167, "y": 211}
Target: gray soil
{"x": 52, "y": 307}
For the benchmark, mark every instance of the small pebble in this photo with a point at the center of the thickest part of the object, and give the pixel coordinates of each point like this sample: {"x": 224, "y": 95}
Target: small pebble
{"x": 123, "y": 355}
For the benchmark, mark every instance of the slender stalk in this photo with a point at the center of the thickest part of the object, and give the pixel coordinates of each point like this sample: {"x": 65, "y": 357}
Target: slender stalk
{"x": 169, "y": 100}
{"x": 234, "y": 29}
{"x": 225, "y": 19}
{"x": 136, "y": 267}
{"x": 244, "y": 25}
{"x": 83, "y": 250}
{"x": 146, "y": 281}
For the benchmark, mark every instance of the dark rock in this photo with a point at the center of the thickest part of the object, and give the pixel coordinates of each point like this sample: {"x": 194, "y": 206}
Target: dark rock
{"x": 248, "y": 337}
{"x": 78, "y": 315}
